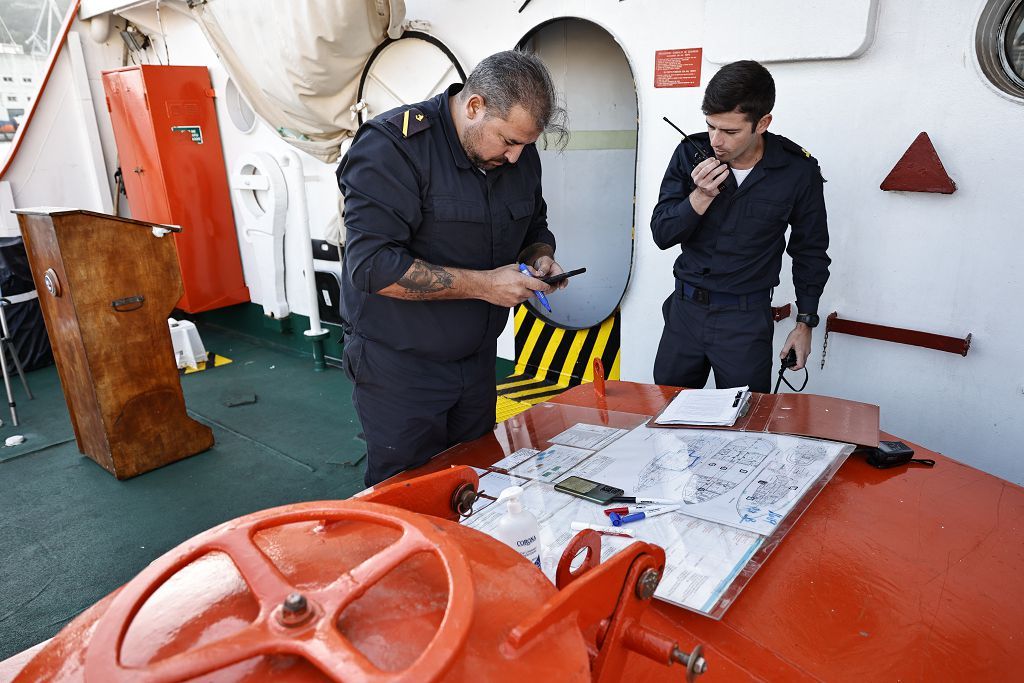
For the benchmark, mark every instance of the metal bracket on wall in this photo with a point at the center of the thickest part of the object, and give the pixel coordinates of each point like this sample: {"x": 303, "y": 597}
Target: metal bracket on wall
{"x": 899, "y": 335}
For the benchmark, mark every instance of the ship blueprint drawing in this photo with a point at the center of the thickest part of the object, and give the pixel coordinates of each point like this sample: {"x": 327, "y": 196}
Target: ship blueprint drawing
{"x": 734, "y": 490}
{"x": 743, "y": 479}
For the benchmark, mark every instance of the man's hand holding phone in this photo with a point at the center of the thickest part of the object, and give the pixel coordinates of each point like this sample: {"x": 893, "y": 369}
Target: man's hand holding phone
{"x": 561, "y": 277}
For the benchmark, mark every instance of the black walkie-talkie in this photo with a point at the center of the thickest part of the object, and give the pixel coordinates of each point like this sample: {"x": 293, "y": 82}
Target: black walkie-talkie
{"x": 894, "y": 453}
{"x": 788, "y": 362}
{"x": 699, "y": 154}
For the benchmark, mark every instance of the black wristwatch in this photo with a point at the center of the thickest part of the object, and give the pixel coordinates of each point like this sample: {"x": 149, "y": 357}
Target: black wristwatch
{"x": 809, "y": 319}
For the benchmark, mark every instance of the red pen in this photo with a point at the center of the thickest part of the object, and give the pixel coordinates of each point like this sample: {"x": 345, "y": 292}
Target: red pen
{"x": 620, "y": 511}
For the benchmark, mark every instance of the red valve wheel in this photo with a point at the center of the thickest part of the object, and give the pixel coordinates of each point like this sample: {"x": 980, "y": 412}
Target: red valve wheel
{"x": 315, "y": 638}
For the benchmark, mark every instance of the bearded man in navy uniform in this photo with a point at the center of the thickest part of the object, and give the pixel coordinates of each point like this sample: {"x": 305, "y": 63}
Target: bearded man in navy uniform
{"x": 443, "y": 201}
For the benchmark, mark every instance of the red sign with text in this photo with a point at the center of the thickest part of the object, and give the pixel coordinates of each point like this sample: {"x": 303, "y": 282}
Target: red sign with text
{"x": 677, "y": 68}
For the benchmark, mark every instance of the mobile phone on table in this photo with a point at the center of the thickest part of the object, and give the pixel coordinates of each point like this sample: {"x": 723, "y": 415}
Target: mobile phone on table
{"x": 555, "y": 279}
{"x": 588, "y": 490}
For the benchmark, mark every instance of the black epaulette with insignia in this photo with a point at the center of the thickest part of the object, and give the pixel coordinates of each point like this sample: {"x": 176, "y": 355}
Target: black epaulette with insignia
{"x": 791, "y": 146}
{"x": 796, "y": 149}
{"x": 409, "y": 122}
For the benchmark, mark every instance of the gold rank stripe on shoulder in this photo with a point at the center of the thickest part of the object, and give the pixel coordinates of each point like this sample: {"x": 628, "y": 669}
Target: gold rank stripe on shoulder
{"x": 551, "y": 359}
{"x": 806, "y": 153}
{"x": 410, "y": 121}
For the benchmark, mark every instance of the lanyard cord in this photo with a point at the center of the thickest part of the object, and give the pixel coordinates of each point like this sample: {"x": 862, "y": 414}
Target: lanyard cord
{"x": 783, "y": 379}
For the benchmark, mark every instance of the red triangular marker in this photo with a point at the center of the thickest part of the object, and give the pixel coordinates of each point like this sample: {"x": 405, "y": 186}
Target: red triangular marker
{"x": 919, "y": 170}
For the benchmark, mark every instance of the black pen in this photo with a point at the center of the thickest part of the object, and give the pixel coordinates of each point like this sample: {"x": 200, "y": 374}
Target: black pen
{"x": 641, "y": 500}
{"x": 736, "y": 401}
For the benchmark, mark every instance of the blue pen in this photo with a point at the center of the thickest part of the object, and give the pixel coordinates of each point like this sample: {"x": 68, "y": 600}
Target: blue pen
{"x": 540, "y": 295}
{"x": 619, "y": 520}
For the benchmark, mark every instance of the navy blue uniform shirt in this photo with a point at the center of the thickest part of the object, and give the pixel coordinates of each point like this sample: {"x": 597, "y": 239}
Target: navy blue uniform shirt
{"x": 415, "y": 194}
{"x": 736, "y": 246}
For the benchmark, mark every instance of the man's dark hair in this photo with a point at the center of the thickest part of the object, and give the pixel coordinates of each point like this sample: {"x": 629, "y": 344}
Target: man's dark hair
{"x": 515, "y": 77}
{"x": 746, "y": 86}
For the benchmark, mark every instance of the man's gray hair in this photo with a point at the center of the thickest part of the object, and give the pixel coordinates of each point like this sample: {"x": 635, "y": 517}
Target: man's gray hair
{"x": 515, "y": 77}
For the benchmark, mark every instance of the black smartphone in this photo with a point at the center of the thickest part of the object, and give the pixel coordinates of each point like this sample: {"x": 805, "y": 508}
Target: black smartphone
{"x": 555, "y": 279}
{"x": 588, "y": 490}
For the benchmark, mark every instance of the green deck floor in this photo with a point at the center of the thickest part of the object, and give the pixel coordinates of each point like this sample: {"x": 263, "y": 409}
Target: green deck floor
{"x": 70, "y": 533}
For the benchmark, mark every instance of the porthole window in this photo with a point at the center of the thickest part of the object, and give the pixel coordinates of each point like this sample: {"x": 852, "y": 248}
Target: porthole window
{"x": 999, "y": 42}
{"x": 1013, "y": 41}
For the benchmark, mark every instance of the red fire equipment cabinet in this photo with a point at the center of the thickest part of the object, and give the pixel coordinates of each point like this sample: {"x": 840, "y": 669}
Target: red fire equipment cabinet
{"x": 170, "y": 154}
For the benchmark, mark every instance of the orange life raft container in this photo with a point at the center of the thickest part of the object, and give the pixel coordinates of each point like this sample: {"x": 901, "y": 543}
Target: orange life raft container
{"x": 381, "y": 589}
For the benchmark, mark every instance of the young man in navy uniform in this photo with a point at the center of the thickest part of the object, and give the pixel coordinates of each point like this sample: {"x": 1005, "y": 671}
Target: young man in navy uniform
{"x": 729, "y": 212}
{"x": 443, "y": 200}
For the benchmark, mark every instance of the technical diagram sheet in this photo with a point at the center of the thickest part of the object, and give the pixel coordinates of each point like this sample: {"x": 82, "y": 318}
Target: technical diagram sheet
{"x": 701, "y": 558}
{"x": 743, "y": 479}
{"x": 592, "y": 437}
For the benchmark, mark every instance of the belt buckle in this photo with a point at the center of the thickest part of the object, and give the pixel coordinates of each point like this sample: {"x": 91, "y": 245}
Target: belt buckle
{"x": 701, "y": 296}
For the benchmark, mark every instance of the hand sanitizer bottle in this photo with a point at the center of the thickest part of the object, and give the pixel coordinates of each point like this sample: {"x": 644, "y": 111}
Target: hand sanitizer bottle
{"x": 518, "y": 528}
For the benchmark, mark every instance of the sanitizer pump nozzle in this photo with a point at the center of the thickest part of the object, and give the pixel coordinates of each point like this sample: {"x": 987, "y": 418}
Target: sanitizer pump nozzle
{"x": 518, "y": 528}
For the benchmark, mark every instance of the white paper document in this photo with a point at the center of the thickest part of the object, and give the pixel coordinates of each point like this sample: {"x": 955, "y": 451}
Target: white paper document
{"x": 491, "y": 486}
{"x": 701, "y": 558}
{"x": 539, "y": 498}
{"x": 516, "y": 458}
{"x": 552, "y": 463}
{"x": 592, "y": 437}
{"x": 710, "y": 407}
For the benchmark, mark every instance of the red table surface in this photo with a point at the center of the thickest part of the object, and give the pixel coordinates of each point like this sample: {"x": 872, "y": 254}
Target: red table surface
{"x": 911, "y": 573}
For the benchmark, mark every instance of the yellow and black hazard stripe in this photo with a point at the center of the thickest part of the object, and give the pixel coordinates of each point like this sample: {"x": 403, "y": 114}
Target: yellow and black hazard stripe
{"x": 551, "y": 359}
{"x": 212, "y": 361}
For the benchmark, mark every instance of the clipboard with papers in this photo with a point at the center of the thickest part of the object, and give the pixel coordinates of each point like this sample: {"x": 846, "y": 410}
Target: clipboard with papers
{"x": 705, "y": 408}
{"x": 819, "y": 417}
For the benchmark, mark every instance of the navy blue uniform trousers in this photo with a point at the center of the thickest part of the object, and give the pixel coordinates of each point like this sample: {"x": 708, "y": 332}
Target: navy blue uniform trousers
{"x": 412, "y": 408}
{"x": 734, "y": 340}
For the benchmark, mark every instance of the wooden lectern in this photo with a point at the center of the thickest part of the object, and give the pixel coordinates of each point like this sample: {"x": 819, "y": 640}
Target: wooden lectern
{"x": 106, "y": 286}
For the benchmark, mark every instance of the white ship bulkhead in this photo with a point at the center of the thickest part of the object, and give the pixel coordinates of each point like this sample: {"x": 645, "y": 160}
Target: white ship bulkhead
{"x": 857, "y": 81}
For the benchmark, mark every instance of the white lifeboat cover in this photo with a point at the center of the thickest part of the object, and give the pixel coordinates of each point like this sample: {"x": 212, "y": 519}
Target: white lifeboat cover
{"x": 298, "y": 63}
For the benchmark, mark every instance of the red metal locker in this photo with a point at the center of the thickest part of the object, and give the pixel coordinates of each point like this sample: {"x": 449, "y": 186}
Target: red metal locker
{"x": 170, "y": 154}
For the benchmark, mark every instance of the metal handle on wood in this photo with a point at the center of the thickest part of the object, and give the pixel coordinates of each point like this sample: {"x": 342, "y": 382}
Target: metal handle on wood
{"x": 129, "y": 303}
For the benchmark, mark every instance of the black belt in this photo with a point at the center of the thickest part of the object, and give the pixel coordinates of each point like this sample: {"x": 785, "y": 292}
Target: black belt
{"x": 708, "y": 298}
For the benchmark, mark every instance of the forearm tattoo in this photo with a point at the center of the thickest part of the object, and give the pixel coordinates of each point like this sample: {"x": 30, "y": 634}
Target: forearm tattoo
{"x": 423, "y": 279}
